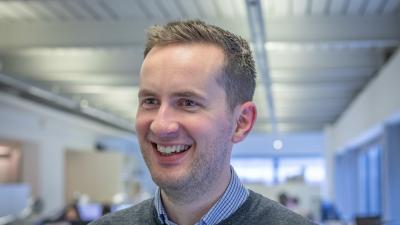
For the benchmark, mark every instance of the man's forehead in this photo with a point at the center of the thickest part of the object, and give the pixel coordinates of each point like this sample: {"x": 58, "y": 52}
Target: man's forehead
{"x": 207, "y": 53}
{"x": 194, "y": 44}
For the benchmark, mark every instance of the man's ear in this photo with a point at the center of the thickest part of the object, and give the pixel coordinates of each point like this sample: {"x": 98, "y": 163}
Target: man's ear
{"x": 245, "y": 116}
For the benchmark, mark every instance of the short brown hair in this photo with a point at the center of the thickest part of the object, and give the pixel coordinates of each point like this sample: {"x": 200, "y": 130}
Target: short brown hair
{"x": 238, "y": 76}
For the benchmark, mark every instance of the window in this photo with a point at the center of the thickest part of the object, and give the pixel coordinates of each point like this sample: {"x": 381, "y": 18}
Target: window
{"x": 307, "y": 169}
{"x": 254, "y": 170}
{"x": 280, "y": 169}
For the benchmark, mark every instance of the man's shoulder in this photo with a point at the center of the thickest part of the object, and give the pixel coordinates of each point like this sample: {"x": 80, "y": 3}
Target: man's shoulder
{"x": 258, "y": 209}
{"x": 141, "y": 213}
{"x": 274, "y": 211}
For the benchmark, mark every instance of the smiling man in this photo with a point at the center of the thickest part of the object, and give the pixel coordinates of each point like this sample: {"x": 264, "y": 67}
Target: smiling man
{"x": 195, "y": 101}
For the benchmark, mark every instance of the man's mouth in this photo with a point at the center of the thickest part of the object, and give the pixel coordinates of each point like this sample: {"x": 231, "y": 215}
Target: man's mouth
{"x": 168, "y": 150}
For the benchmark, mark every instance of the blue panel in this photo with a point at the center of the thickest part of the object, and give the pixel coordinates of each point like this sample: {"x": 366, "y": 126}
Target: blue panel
{"x": 391, "y": 172}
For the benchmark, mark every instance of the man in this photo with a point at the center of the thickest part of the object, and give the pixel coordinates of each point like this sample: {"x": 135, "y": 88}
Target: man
{"x": 195, "y": 101}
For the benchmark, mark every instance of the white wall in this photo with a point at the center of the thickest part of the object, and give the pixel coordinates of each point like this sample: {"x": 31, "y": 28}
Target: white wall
{"x": 378, "y": 103}
{"x": 48, "y": 132}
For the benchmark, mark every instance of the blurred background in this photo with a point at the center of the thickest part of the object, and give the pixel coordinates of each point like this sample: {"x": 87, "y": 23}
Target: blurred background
{"x": 327, "y": 139}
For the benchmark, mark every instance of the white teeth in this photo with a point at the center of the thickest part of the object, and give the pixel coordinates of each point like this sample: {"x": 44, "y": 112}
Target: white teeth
{"x": 172, "y": 148}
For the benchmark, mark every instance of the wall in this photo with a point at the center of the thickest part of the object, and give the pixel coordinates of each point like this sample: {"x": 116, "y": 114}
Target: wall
{"x": 96, "y": 174}
{"x": 376, "y": 105}
{"x": 44, "y": 135}
{"x": 379, "y": 101}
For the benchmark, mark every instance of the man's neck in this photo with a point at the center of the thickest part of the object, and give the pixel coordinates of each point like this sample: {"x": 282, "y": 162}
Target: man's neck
{"x": 190, "y": 212}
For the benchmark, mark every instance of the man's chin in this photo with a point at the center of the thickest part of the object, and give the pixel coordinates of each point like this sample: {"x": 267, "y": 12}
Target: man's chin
{"x": 171, "y": 183}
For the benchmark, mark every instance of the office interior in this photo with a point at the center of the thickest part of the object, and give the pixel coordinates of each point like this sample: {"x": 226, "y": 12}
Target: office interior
{"x": 327, "y": 139}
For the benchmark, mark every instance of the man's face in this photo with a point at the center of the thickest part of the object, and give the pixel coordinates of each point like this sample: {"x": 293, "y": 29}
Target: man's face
{"x": 183, "y": 122}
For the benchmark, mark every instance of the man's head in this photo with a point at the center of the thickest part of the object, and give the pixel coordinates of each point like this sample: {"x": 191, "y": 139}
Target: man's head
{"x": 185, "y": 122}
{"x": 238, "y": 73}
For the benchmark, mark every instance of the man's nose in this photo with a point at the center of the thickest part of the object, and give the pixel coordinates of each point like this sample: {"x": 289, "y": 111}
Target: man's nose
{"x": 164, "y": 123}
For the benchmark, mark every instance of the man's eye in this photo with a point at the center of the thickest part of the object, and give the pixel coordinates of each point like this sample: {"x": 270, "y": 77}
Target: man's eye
{"x": 189, "y": 104}
{"x": 149, "y": 102}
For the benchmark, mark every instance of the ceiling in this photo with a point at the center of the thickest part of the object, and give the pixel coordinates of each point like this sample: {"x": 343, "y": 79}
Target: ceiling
{"x": 87, "y": 53}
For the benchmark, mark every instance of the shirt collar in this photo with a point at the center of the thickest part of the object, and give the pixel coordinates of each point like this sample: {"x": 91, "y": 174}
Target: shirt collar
{"x": 233, "y": 197}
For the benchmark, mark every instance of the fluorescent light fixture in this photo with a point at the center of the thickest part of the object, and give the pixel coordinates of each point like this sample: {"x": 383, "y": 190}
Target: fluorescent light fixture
{"x": 330, "y": 45}
{"x": 277, "y": 144}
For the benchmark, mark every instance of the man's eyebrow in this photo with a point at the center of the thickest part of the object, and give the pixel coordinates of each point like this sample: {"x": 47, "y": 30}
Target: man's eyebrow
{"x": 145, "y": 92}
{"x": 183, "y": 93}
{"x": 189, "y": 93}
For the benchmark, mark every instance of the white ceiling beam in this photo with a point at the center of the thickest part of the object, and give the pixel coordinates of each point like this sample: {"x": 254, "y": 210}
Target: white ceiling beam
{"x": 289, "y": 127}
{"x": 100, "y": 90}
{"x": 313, "y": 118}
{"x": 298, "y": 62}
{"x": 306, "y": 119}
{"x": 324, "y": 59}
{"x": 317, "y": 89}
{"x": 294, "y": 75}
{"x": 301, "y": 119}
{"x": 333, "y": 28}
{"x": 91, "y": 63}
{"x": 72, "y": 34}
{"x": 79, "y": 77}
{"x": 322, "y": 105}
{"x": 131, "y": 33}
{"x": 321, "y": 75}
{"x": 306, "y": 110}
{"x": 16, "y": 87}
{"x": 312, "y": 93}
{"x": 296, "y": 127}
{"x": 110, "y": 80}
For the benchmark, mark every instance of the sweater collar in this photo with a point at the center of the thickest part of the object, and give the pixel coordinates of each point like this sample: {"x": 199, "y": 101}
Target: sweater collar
{"x": 233, "y": 197}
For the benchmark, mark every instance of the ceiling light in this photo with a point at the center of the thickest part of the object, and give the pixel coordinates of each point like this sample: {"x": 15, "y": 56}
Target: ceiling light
{"x": 277, "y": 144}
{"x": 84, "y": 103}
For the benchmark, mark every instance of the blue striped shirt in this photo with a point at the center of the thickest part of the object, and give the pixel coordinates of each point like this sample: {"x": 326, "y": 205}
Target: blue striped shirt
{"x": 230, "y": 201}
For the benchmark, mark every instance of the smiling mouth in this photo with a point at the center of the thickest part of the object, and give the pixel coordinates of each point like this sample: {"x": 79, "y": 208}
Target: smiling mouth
{"x": 167, "y": 150}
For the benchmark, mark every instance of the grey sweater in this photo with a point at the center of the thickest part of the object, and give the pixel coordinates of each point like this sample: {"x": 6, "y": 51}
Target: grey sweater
{"x": 255, "y": 210}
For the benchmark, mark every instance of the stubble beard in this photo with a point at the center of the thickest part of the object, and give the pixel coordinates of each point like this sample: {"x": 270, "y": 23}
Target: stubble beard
{"x": 206, "y": 170}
